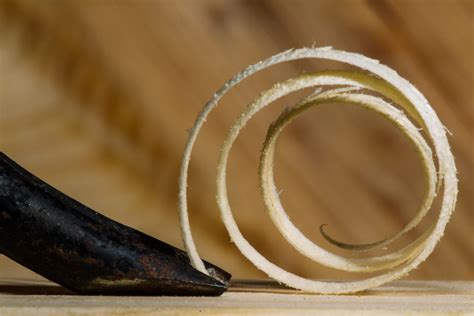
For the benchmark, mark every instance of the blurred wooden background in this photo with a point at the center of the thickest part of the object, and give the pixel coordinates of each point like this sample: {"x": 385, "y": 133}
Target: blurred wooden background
{"x": 96, "y": 97}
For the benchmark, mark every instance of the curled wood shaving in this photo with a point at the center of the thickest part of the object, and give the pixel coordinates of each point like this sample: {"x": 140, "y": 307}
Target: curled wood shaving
{"x": 373, "y": 77}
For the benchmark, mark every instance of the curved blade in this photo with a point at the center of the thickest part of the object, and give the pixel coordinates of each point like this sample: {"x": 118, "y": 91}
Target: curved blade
{"x": 86, "y": 252}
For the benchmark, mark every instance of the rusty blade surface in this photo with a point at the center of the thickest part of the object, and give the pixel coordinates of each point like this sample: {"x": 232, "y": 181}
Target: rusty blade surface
{"x": 86, "y": 252}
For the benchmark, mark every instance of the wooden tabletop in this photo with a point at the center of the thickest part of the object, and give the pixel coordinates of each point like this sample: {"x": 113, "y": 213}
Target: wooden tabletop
{"x": 246, "y": 297}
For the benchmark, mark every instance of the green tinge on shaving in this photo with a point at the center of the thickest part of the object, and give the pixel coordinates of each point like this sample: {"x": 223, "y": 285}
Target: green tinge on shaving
{"x": 377, "y": 78}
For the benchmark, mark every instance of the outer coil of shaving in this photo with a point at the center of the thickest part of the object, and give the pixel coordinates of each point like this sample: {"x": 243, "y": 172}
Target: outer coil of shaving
{"x": 341, "y": 87}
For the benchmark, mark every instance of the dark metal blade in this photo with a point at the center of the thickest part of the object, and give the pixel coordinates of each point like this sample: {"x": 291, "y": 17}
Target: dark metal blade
{"x": 86, "y": 252}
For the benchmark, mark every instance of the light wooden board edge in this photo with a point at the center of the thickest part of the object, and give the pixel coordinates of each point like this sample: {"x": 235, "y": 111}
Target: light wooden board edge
{"x": 251, "y": 297}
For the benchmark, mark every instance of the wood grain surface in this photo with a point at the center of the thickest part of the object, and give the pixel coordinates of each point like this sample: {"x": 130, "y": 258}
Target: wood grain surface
{"x": 398, "y": 298}
{"x": 96, "y": 97}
